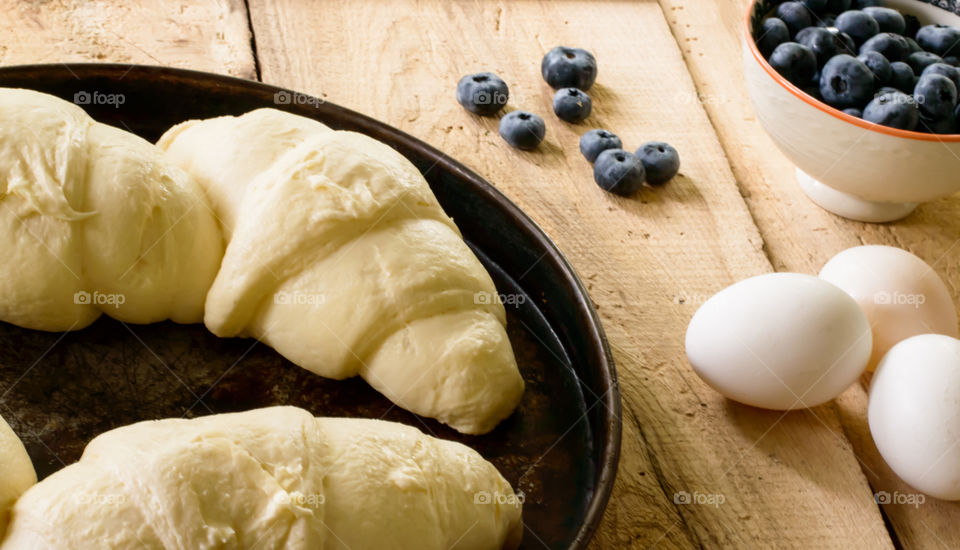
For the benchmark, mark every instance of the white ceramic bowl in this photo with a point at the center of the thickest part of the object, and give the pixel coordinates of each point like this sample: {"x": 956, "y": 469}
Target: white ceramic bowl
{"x": 851, "y": 167}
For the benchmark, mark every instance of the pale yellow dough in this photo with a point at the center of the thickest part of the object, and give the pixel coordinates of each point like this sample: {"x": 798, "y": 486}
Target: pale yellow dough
{"x": 16, "y": 472}
{"x": 93, "y": 219}
{"x": 340, "y": 257}
{"x": 274, "y": 478}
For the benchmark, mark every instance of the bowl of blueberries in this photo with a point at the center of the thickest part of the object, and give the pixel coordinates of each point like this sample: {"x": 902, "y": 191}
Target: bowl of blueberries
{"x": 862, "y": 96}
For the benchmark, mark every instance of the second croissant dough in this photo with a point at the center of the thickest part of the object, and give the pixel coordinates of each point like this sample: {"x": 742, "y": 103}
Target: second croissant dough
{"x": 341, "y": 259}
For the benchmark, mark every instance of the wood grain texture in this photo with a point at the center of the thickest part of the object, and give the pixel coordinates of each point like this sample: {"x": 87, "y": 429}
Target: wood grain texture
{"x": 209, "y": 36}
{"x": 787, "y": 480}
{"x": 799, "y": 236}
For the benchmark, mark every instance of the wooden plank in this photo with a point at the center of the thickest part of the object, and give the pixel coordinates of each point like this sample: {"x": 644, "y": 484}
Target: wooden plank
{"x": 209, "y": 36}
{"x": 799, "y": 236}
{"x": 787, "y": 480}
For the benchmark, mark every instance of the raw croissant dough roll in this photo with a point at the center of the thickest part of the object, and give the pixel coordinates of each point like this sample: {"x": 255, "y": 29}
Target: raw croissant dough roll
{"x": 93, "y": 219}
{"x": 274, "y": 478}
{"x": 340, "y": 258}
{"x": 16, "y": 472}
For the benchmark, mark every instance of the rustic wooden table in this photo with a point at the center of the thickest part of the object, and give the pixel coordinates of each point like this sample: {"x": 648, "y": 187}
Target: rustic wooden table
{"x": 669, "y": 70}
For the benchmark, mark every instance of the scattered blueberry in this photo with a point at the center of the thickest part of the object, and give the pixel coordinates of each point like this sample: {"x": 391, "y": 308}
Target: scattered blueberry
{"x": 522, "y": 130}
{"x": 846, "y": 82}
{"x": 660, "y": 161}
{"x": 892, "y": 46}
{"x": 571, "y": 104}
{"x": 773, "y": 32}
{"x": 858, "y": 25}
{"x": 889, "y": 20}
{"x": 795, "y": 15}
{"x": 595, "y": 142}
{"x": 939, "y": 39}
{"x": 854, "y": 112}
{"x": 482, "y": 93}
{"x": 795, "y": 62}
{"x": 936, "y": 96}
{"x": 564, "y": 67}
{"x": 619, "y": 172}
{"x": 902, "y": 77}
{"x": 895, "y": 109}
{"x": 919, "y": 61}
{"x": 824, "y": 43}
{"x": 948, "y": 71}
{"x": 878, "y": 65}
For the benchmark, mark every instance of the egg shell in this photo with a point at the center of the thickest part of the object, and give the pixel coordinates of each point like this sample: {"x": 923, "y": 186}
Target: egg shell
{"x": 914, "y": 413}
{"x": 901, "y": 295}
{"x": 779, "y": 341}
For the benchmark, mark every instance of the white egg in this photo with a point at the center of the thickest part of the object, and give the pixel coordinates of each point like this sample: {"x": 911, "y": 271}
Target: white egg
{"x": 901, "y": 295}
{"x": 779, "y": 341}
{"x": 914, "y": 413}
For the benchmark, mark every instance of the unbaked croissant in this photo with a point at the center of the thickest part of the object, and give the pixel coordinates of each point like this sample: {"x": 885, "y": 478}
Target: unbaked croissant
{"x": 274, "y": 478}
{"x": 93, "y": 219}
{"x": 340, "y": 257}
{"x": 16, "y": 472}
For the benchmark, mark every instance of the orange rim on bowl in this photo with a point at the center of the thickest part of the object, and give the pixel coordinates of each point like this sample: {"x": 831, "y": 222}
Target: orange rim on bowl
{"x": 909, "y": 134}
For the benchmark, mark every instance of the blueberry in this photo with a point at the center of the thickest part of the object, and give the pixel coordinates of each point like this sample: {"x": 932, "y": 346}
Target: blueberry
{"x": 919, "y": 61}
{"x": 858, "y": 25}
{"x": 902, "y": 77}
{"x": 795, "y": 62}
{"x": 854, "y": 112}
{"x": 564, "y": 67}
{"x": 773, "y": 32}
{"x": 846, "y": 82}
{"x": 844, "y": 42}
{"x": 952, "y": 60}
{"x": 826, "y": 20}
{"x": 660, "y": 161}
{"x": 571, "y": 104}
{"x": 883, "y": 90}
{"x": 522, "y": 130}
{"x": 890, "y": 20}
{"x": 936, "y": 96}
{"x": 892, "y": 46}
{"x": 939, "y": 39}
{"x": 816, "y": 6}
{"x": 895, "y": 109}
{"x": 860, "y": 4}
{"x": 878, "y": 65}
{"x": 838, "y": 6}
{"x": 482, "y": 93}
{"x": 914, "y": 47}
{"x": 824, "y": 43}
{"x": 619, "y": 172}
{"x": 795, "y": 15}
{"x": 595, "y": 142}
{"x": 946, "y": 125}
{"x": 948, "y": 71}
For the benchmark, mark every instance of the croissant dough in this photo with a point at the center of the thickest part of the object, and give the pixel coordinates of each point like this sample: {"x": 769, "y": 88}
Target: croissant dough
{"x": 93, "y": 219}
{"x": 16, "y": 472}
{"x": 340, "y": 257}
{"x": 274, "y": 478}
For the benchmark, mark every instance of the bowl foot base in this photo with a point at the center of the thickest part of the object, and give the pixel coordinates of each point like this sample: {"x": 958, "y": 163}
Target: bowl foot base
{"x": 850, "y": 206}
